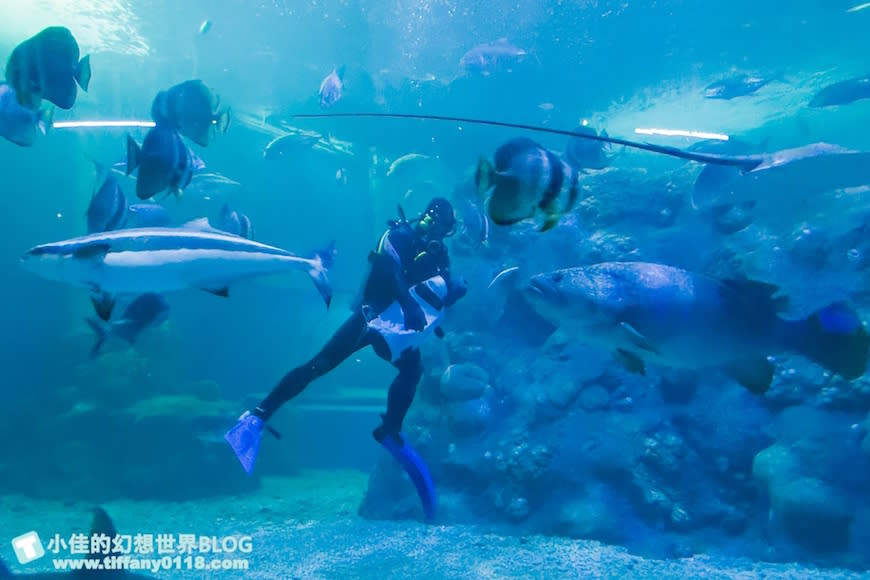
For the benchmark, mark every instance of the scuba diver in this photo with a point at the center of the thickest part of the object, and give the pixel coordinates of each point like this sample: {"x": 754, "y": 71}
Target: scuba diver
{"x": 402, "y": 301}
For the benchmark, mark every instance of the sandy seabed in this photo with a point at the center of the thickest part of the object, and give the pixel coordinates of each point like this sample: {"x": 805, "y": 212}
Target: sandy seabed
{"x": 307, "y": 527}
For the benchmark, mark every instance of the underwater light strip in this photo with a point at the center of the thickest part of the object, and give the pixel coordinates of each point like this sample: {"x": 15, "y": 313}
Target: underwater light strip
{"x": 859, "y": 7}
{"x": 89, "y": 124}
{"x": 681, "y": 133}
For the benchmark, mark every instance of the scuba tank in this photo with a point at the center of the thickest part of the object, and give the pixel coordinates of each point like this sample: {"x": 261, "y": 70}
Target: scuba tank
{"x": 389, "y": 325}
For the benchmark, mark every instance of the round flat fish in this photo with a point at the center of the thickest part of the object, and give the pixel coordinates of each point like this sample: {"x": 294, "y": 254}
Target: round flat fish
{"x": 47, "y": 66}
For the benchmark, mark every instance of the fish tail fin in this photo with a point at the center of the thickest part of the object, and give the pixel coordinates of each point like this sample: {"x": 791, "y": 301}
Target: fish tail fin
{"x": 222, "y": 120}
{"x": 102, "y": 171}
{"x": 103, "y": 303}
{"x": 323, "y": 262}
{"x": 484, "y": 177}
{"x": 83, "y": 72}
{"x": 45, "y": 119}
{"x": 835, "y": 338}
{"x": 101, "y": 333}
{"x": 132, "y": 155}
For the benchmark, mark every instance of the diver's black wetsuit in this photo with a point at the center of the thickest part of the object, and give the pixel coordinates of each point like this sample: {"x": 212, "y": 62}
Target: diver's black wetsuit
{"x": 403, "y": 259}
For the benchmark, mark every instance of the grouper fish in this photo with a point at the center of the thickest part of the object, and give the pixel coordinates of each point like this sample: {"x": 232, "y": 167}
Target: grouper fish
{"x": 645, "y": 312}
{"x": 137, "y": 260}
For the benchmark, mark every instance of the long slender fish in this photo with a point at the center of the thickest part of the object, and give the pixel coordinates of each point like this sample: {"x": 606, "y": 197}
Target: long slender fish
{"x": 744, "y": 162}
{"x": 139, "y": 260}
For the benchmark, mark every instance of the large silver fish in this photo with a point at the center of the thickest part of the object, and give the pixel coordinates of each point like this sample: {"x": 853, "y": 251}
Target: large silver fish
{"x": 645, "y": 312}
{"x": 139, "y": 260}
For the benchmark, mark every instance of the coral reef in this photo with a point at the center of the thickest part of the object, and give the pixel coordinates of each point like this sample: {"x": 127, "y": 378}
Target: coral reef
{"x": 527, "y": 431}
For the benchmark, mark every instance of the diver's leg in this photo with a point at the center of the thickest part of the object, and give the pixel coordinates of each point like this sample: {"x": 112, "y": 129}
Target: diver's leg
{"x": 244, "y": 437}
{"x": 389, "y": 433}
{"x": 348, "y": 339}
{"x": 401, "y": 394}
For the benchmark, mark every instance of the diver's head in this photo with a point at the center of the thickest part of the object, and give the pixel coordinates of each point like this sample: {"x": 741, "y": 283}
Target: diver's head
{"x": 438, "y": 221}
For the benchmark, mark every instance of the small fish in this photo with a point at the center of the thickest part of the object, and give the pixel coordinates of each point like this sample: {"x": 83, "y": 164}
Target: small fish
{"x": 19, "y": 124}
{"x": 735, "y": 86}
{"x": 404, "y": 159}
{"x": 47, "y": 66}
{"x": 527, "y": 179}
{"x": 584, "y": 154}
{"x": 486, "y": 59}
{"x": 502, "y": 275}
{"x": 235, "y": 223}
{"x": 331, "y": 88}
{"x": 646, "y": 312}
{"x": 843, "y": 93}
{"x": 133, "y": 261}
{"x": 164, "y": 162}
{"x": 205, "y": 27}
{"x": 287, "y": 146}
{"x": 474, "y": 221}
{"x": 146, "y": 310}
{"x": 108, "y": 208}
{"x": 192, "y": 109}
{"x": 211, "y": 184}
{"x": 149, "y": 215}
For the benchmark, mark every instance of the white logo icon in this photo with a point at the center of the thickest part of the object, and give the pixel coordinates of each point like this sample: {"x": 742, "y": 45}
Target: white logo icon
{"x": 28, "y": 548}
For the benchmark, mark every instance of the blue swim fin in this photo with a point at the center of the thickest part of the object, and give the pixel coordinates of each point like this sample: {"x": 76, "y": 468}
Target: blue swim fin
{"x": 416, "y": 468}
{"x": 244, "y": 438}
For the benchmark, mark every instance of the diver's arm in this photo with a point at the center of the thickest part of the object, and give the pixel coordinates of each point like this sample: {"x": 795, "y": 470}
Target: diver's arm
{"x": 415, "y": 319}
{"x": 403, "y": 292}
{"x": 457, "y": 286}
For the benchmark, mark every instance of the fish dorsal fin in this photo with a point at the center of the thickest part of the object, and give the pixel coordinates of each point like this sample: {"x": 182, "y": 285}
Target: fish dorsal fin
{"x": 200, "y": 224}
{"x": 755, "y": 291}
{"x": 102, "y": 523}
{"x": 103, "y": 529}
{"x": 754, "y": 286}
{"x": 203, "y": 225}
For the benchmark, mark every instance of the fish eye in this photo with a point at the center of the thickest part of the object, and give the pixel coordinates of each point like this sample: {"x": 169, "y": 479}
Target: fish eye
{"x": 557, "y": 277}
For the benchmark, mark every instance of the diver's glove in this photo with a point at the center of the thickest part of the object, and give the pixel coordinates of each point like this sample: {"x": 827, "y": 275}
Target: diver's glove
{"x": 415, "y": 318}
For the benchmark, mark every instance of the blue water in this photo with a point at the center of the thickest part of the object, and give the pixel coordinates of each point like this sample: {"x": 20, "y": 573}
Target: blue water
{"x": 564, "y": 442}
